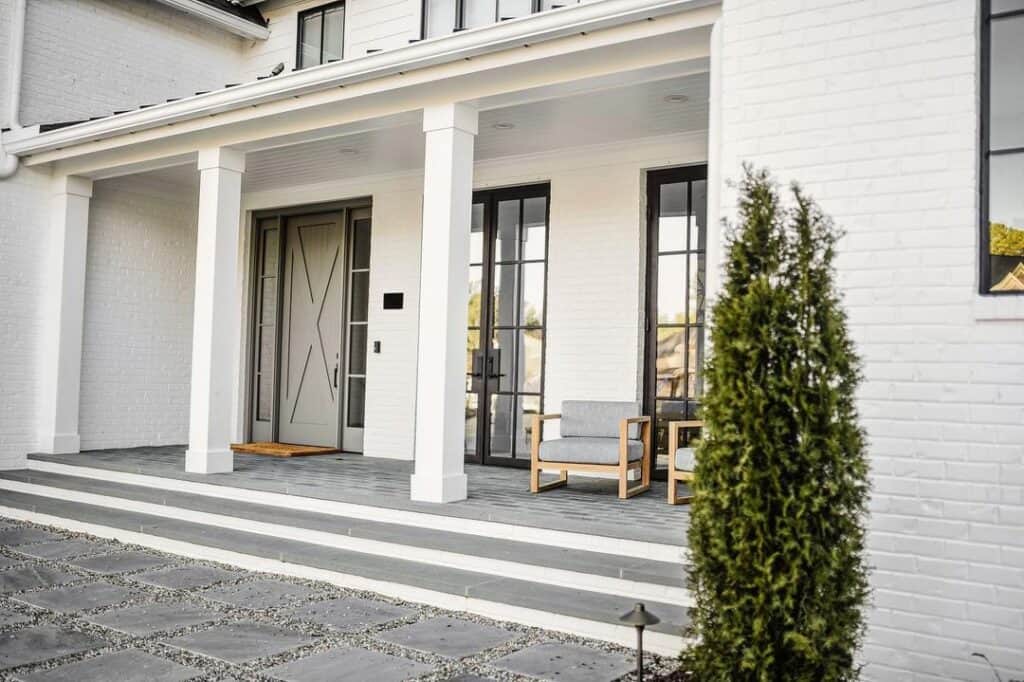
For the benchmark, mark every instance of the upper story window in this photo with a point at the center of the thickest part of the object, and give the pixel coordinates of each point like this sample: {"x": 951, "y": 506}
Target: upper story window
{"x": 1002, "y": 126}
{"x": 321, "y": 35}
{"x": 441, "y": 17}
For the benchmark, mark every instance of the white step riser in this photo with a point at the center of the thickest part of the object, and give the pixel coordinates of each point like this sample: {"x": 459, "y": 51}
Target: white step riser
{"x": 491, "y": 529}
{"x": 656, "y": 642}
{"x": 533, "y": 573}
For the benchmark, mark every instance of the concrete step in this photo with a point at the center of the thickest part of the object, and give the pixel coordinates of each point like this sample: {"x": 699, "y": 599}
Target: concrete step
{"x": 612, "y": 573}
{"x": 454, "y": 518}
{"x": 504, "y": 596}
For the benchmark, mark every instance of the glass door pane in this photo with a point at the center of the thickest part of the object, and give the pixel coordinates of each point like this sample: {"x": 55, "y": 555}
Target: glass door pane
{"x": 505, "y": 353}
{"x": 675, "y": 300}
{"x": 475, "y": 318}
{"x": 357, "y": 328}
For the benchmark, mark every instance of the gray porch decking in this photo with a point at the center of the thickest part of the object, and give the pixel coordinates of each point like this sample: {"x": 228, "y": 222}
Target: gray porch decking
{"x": 587, "y": 505}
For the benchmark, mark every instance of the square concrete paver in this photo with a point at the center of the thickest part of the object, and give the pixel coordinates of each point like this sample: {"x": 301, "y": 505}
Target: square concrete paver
{"x": 239, "y": 642}
{"x": 349, "y": 665}
{"x": 449, "y": 636}
{"x": 6, "y": 561}
{"x": 349, "y": 613}
{"x": 121, "y": 562}
{"x": 62, "y": 549}
{"x": 33, "y": 645}
{"x": 78, "y": 598}
{"x": 186, "y": 577}
{"x": 22, "y": 535}
{"x": 259, "y": 594}
{"x": 12, "y": 617}
{"x": 145, "y": 619}
{"x": 566, "y": 663}
{"x": 32, "y": 576}
{"x": 124, "y": 666}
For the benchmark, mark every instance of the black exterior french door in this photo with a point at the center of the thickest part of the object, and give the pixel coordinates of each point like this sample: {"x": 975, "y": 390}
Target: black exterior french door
{"x": 676, "y": 266}
{"x": 506, "y": 322}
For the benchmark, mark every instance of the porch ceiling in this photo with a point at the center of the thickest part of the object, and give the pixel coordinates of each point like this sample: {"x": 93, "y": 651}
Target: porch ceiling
{"x": 593, "y": 116}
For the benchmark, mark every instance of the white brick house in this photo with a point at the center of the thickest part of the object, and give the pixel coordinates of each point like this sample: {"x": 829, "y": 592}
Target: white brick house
{"x": 134, "y": 246}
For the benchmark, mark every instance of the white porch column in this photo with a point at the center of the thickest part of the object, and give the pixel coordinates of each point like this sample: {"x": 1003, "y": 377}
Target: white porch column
{"x": 715, "y": 247}
{"x": 214, "y": 332}
{"x": 449, "y": 132}
{"x": 62, "y": 349}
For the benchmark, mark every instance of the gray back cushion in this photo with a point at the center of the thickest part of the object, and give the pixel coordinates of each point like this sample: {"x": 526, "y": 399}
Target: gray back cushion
{"x": 597, "y": 418}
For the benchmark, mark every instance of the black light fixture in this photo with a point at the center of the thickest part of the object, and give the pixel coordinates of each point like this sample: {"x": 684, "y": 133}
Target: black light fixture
{"x": 639, "y": 618}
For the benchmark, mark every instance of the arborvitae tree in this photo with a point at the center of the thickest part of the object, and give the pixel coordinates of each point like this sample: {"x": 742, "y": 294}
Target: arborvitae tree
{"x": 776, "y": 526}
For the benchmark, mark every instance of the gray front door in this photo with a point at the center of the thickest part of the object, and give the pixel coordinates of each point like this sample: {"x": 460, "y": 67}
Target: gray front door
{"x": 311, "y": 332}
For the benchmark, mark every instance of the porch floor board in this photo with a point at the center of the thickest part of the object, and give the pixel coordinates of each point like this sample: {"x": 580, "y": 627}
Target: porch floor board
{"x": 587, "y": 505}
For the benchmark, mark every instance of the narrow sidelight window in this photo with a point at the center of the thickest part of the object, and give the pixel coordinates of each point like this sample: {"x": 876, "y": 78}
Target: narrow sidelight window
{"x": 676, "y": 249}
{"x": 321, "y": 35}
{"x": 1002, "y": 144}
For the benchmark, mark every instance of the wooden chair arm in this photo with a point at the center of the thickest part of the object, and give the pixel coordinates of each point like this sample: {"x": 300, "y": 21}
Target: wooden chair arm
{"x": 545, "y": 417}
{"x": 636, "y": 420}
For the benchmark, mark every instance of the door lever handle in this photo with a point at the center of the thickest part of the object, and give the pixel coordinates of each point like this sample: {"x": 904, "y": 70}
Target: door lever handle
{"x": 335, "y": 375}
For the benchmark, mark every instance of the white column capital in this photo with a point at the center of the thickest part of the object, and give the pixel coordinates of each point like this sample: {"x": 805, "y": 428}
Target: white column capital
{"x": 74, "y": 185}
{"x": 221, "y": 157}
{"x": 457, "y": 115}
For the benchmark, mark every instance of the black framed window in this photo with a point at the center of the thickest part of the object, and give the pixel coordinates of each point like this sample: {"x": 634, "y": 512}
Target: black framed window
{"x": 676, "y": 267}
{"x": 1002, "y": 144}
{"x": 321, "y": 35}
{"x": 441, "y": 17}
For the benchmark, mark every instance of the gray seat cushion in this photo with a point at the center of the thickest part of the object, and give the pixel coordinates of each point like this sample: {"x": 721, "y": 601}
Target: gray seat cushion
{"x": 581, "y": 450}
{"x": 597, "y": 418}
{"x": 685, "y": 459}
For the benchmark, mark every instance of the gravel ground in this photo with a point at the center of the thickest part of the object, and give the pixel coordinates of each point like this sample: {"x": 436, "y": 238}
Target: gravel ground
{"x": 63, "y": 574}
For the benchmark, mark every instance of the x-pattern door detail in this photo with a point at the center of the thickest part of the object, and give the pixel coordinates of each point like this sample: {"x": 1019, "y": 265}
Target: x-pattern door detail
{"x": 312, "y": 328}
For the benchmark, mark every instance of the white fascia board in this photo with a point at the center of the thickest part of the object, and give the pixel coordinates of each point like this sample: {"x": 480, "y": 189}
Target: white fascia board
{"x": 225, "y": 20}
{"x": 532, "y": 29}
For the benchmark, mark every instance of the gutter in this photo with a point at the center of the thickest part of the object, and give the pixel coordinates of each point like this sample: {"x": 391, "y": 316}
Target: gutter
{"x": 218, "y": 17}
{"x": 8, "y": 160}
{"x": 514, "y": 33}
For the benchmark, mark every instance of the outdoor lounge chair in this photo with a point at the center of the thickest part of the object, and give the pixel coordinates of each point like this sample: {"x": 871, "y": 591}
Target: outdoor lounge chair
{"x": 597, "y": 436}
{"x": 681, "y": 461}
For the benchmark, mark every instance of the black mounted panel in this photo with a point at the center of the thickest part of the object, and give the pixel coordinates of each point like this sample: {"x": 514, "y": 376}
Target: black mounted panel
{"x": 394, "y": 301}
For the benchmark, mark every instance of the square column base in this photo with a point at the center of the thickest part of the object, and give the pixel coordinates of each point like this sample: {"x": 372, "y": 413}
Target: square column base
{"x": 60, "y": 444}
{"x": 209, "y": 461}
{"x": 426, "y": 488}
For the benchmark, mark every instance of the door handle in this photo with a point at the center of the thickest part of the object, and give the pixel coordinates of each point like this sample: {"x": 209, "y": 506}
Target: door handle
{"x": 478, "y": 365}
{"x": 335, "y": 375}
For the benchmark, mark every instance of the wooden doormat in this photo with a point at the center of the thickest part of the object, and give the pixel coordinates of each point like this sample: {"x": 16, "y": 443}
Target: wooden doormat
{"x": 282, "y": 449}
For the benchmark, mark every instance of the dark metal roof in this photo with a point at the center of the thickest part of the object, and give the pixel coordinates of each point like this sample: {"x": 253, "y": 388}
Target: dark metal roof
{"x": 248, "y": 13}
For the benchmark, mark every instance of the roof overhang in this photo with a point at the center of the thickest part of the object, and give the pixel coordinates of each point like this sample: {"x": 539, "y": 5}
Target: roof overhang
{"x": 284, "y": 99}
{"x": 218, "y": 17}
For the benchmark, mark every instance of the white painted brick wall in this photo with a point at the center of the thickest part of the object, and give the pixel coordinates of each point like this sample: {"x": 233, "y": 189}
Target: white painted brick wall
{"x": 90, "y": 57}
{"x": 873, "y": 106}
{"x": 137, "y": 340}
{"x": 23, "y": 230}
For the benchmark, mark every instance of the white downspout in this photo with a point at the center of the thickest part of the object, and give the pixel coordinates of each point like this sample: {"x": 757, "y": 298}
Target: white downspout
{"x": 9, "y": 162}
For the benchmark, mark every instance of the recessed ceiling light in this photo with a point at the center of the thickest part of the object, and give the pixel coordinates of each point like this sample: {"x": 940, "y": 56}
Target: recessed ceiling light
{"x": 503, "y": 126}
{"x": 676, "y": 99}
{"x": 348, "y": 151}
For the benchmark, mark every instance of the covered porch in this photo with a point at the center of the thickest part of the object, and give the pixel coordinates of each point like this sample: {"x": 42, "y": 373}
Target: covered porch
{"x": 412, "y": 154}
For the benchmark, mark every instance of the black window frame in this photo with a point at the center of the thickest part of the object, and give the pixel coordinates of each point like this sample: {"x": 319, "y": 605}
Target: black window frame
{"x": 460, "y": 15}
{"x": 655, "y": 178}
{"x": 984, "y": 257}
{"x": 301, "y": 17}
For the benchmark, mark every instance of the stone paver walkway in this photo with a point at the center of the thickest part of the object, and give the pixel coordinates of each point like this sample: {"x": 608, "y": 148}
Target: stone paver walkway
{"x": 76, "y": 607}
